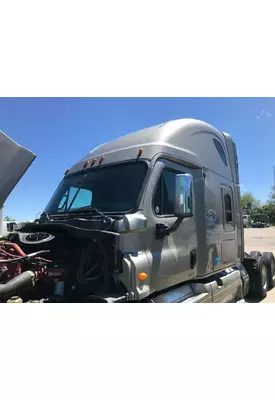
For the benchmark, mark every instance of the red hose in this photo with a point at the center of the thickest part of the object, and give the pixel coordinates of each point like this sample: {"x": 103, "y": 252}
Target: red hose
{"x": 10, "y": 251}
{"x": 4, "y": 254}
{"x": 7, "y": 254}
{"x": 15, "y": 246}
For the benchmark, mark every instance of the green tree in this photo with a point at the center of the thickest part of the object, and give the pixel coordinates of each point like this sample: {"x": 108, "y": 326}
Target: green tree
{"x": 249, "y": 203}
{"x": 269, "y": 207}
{"x": 10, "y": 219}
{"x": 272, "y": 194}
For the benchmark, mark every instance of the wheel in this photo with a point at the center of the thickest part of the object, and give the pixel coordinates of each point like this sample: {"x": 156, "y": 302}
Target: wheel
{"x": 270, "y": 263}
{"x": 255, "y": 254}
{"x": 261, "y": 278}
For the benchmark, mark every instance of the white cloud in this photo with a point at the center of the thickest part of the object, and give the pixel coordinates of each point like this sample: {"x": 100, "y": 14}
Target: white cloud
{"x": 263, "y": 112}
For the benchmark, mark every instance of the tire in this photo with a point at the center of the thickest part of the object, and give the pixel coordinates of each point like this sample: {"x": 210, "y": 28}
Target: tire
{"x": 261, "y": 278}
{"x": 255, "y": 254}
{"x": 270, "y": 263}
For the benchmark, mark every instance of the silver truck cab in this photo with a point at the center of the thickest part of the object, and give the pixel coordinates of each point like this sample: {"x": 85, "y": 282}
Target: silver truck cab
{"x": 173, "y": 194}
{"x": 152, "y": 216}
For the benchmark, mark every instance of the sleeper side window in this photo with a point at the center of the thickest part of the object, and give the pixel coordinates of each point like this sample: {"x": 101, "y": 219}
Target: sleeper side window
{"x": 221, "y": 151}
{"x": 228, "y": 209}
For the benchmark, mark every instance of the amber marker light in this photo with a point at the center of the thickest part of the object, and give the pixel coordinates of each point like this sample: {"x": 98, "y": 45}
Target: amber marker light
{"x": 101, "y": 160}
{"x": 142, "y": 276}
{"x": 140, "y": 152}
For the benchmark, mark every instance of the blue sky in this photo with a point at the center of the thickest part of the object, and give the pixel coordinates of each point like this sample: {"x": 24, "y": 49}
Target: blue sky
{"x": 62, "y": 130}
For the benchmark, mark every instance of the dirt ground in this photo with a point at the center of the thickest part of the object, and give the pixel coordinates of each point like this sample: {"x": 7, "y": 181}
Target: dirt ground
{"x": 261, "y": 239}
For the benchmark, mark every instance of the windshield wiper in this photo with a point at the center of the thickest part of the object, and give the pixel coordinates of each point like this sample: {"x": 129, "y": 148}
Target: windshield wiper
{"x": 91, "y": 209}
{"x": 44, "y": 216}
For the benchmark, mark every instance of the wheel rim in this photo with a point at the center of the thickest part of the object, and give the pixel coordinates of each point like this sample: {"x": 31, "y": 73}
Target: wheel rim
{"x": 264, "y": 277}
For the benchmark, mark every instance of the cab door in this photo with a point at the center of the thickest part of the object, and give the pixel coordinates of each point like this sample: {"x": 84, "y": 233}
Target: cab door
{"x": 173, "y": 257}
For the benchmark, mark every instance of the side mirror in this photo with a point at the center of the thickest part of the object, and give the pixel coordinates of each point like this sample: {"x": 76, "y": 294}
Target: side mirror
{"x": 183, "y": 206}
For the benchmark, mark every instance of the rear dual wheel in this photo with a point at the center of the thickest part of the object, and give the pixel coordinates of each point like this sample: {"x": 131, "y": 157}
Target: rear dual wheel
{"x": 265, "y": 272}
{"x": 270, "y": 263}
{"x": 261, "y": 278}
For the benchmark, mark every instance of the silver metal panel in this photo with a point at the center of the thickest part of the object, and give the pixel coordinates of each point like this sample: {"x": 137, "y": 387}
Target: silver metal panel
{"x": 188, "y": 139}
{"x": 229, "y": 288}
{"x": 176, "y": 295}
{"x": 14, "y": 161}
{"x": 200, "y": 298}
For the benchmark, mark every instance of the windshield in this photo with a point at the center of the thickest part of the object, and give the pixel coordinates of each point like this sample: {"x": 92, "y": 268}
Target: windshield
{"x": 108, "y": 189}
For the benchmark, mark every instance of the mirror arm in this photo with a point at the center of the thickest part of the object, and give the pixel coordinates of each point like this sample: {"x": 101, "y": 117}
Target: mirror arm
{"x": 163, "y": 230}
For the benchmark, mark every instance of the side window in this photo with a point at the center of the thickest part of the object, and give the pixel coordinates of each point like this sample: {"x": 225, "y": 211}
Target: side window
{"x": 228, "y": 209}
{"x": 221, "y": 151}
{"x": 163, "y": 202}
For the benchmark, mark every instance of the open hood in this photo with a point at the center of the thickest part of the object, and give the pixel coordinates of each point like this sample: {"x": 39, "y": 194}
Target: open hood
{"x": 14, "y": 162}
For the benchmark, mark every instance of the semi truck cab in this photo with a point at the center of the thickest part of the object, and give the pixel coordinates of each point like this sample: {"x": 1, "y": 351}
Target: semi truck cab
{"x": 151, "y": 216}
{"x": 173, "y": 191}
